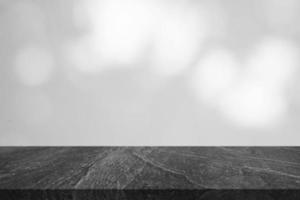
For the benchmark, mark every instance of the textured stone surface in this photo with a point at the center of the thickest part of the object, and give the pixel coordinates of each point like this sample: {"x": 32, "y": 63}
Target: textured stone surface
{"x": 150, "y": 168}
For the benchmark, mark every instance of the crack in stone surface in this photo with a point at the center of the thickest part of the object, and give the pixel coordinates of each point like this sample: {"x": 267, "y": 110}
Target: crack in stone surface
{"x": 160, "y": 166}
{"x": 133, "y": 178}
{"x": 264, "y": 159}
{"x": 271, "y": 171}
{"x": 185, "y": 154}
{"x": 89, "y": 167}
{"x": 114, "y": 171}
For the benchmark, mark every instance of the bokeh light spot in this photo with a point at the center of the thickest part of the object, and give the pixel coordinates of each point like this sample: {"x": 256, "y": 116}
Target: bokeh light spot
{"x": 122, "y": 32}
{"x": 119, "y": 32}
{"x": 250, "y": 92}
{"x": 215, "y": 74}
{"x": 252, "y": 106}
{"x": 178, "y": 37}
{"x": 122, "y": 29}
{"x": 273, "y": 63}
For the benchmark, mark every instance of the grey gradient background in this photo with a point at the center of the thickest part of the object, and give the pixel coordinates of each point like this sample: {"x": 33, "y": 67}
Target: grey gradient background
{"x": 129, "y": 72}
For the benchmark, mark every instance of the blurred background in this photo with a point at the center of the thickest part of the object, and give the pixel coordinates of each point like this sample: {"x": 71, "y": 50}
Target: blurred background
{"x": 149, "y": 72}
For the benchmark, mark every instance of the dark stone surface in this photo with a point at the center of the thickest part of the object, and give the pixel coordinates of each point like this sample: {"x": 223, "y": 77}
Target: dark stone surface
{"x": 149, "y": 172}
{"x": 150, "y": 167}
